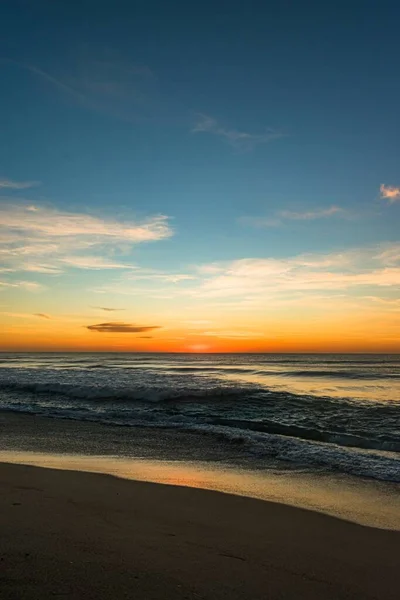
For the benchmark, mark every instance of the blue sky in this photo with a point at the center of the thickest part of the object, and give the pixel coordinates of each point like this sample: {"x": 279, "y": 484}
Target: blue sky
{"x": 262, "y": 130}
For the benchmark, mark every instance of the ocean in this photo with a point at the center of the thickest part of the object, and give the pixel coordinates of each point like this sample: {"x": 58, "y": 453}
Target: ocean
{"x": 314, "y": 413}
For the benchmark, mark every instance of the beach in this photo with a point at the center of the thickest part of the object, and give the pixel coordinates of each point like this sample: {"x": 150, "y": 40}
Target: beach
{"x": 84, "y": 535}
{"x": 199, "y": 301}
{"x": 251, "y": 477}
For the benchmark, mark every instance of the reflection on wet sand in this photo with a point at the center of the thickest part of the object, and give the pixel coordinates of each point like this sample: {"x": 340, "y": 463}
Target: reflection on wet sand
{"x": 363, "y": 501}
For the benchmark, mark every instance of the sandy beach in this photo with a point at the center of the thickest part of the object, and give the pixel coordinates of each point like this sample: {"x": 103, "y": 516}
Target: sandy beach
{"x": 83, "y": 535}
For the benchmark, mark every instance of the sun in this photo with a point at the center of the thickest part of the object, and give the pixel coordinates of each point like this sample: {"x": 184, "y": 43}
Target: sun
{"x": 198, "y": 348}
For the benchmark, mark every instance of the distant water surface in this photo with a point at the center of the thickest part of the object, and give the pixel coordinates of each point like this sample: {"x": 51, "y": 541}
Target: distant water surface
{"x": 330, "y": 412}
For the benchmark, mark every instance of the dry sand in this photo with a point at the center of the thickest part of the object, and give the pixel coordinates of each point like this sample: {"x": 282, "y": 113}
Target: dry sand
{"x": 75, "y": 535}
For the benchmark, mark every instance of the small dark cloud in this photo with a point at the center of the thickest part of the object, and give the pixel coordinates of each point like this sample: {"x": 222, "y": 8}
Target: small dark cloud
{"x": 107, "y": 309}
{"x": 121, "y": 328}
{"x": 41, "y": 315}
{"x": 146, "y": 337}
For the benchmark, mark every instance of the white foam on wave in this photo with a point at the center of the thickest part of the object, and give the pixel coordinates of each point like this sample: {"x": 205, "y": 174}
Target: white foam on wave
{"x": 263, "y": 447}
{"x": 376, "y": 465}
{"x": 134, "y": 393}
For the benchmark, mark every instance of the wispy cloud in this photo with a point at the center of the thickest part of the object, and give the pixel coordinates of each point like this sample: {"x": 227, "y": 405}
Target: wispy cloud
{"x": 239, "y": 139}
{"x": 280, "y": 217}
{"x": 30, "y": 286}
{"x": 152, "y": 283}
{"x": 259, "y": 222}
{"x": 107, "y": 84}
{"x": 17, "y": 315}
{"x": 46, "y": 240}
{"x": 260, "y": 278}
{"x": 55, "y": 223}
{"x": 198, "y": 323}
{"x": 39, "y": 268}
{"x": 93, "y": 262}
{"x": 108, "y": 309}
{"x": 58, "y": 82}
{"x": 117, "y": 327}
{"x": 390, "y": 193}
{"x": 158, "y": 275}
{"x": 252, "y": 282}
{"x": 228, "y": 334}
{"x": 390, "y": 256}
{"x": 16, "y": 185}
{"x": 319, "y": 213}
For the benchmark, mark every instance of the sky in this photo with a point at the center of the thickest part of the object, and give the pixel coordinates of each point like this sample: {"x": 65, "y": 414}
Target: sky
{"x": 200, "y": 177}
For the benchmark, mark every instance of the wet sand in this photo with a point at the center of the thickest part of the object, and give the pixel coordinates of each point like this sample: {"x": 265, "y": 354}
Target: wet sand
{"x": 83, "y": 535}
{"x": 145, "y": 454}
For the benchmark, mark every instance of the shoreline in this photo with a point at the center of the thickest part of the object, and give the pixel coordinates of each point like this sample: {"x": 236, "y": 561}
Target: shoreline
{"x": 95, "y": 536}
{"x": 342, "y": 498}
{"x": 195, "y": 460}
